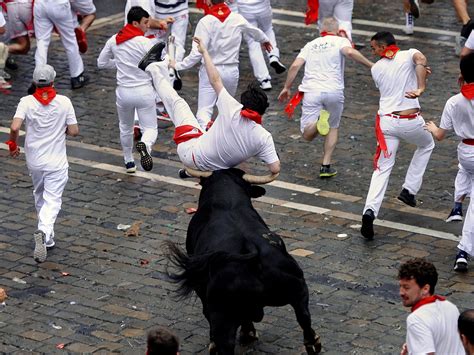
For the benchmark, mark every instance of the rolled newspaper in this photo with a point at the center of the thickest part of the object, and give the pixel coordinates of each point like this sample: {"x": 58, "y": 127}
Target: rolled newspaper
{"x": 171, "y": 54}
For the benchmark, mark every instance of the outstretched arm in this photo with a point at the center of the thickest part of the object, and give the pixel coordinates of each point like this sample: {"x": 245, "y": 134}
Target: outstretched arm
{"x": 290, "y": 78}
{"x": 357, "y": 56}
{"x": 212, "y": 73}
{"x": 421, "y": 72}
{"x": 14, "y": 133}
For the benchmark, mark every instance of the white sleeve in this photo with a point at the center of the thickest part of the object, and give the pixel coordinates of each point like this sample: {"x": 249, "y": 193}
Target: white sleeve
{"x": 419, "y": 337}
{"x": 2, "y": 20}
{"x": 70, "y": 114}
{"x": 21, "y": 109}
{"x": 194, "y": 56}
{"x": 412, "y": 52}
{"x": 106, "y": 57}
{"x": 447, "y": 116}
{"x": 345, "y": 43}
{"x": 304, "y": 52}
{"x": 228, "y": 106}
{"x": 470, "y": 41}
{"x": 267, "y": 152}
{"x": 257, "y": 34}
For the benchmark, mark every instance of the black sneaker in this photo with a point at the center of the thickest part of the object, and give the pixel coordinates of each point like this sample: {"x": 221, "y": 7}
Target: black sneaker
{"x": 177, "y": 83}
{"x": 460, "y": 263}
{"x": 11, "y": 64}
{"x": 415, "y": 8}
{"x": 79, "y": 81}
{"x": 40, "y": 252}
{"x": 130, "y": 167}
{"x": 183, "y": 174}
{"x": 454, "y": 215}
{"x": 407, "y": 198}
{"x": 277, "y": 65}
{"x": 153, "y": 55}
{"x": 327, "y": 172}
{"x": 145, "y": 158}
{"x": 367, "y": 229}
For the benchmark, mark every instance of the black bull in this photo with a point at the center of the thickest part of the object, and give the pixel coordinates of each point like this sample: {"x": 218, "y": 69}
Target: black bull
{"x": 237, "y": 266}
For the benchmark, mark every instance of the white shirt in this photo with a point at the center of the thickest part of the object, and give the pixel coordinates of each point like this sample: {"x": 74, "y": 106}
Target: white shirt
{"x": 433, "y": 328}
{"x": 173, "y": 8}
{"x": 2, "y": 19}
{"x": 470, "y": 41}
{"x": 125, "y": 57}
{"x": 253, "y": 6}
{"x": 233, "y": 140}
{"x": 458, "y": 114}
{"x": 222, "y": 40}
{"x": 324, "y": 64}
{"x": 147, "y": 5}
{"x": 394, "y": 77}
{"x": 45, "y": 141}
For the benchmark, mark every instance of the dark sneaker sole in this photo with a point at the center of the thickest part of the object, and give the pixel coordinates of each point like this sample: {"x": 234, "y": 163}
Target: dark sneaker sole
{"x": 146, "y": 160}
{"x": 367, "y": 229}
{"x": 151, "y": 55}
{"x": 406, "y": 202}
{"x": 414, "y": 9}
{"x": 279, "y": 69}
{"x": 461, "y": 266}
{"x": 40, "y": 251}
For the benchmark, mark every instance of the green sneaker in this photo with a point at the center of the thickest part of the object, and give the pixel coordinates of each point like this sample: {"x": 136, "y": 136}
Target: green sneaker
{"x": 323, "y": 123}
{"x": 327, "y": 172}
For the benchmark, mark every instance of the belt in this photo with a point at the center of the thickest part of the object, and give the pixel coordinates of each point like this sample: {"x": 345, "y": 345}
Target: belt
{"x": 468, "y": 141}
{"x": 404, "y": 117}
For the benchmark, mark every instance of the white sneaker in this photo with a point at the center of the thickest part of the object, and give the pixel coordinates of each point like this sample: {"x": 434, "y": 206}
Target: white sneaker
{"x": 50, "y": 243}
{"x": 409, "y": 24}
{"x": 266, "y": 84}
{"x": 4, "y": 84}
{"x": 40, "y": 252}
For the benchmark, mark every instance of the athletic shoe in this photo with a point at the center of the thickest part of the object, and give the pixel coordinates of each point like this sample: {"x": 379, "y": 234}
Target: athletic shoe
{"x": 415, "y": 8}
{"x": 367, "y": 229}
{"x": 79, "y": 81}
{"x": 40, "y": 247}
{"x": 266, "y": 84}
{"x": 327, "y": 172}
{"x": 407, "y": 198}
{"x": 137, "y": 133}
{"x": 50, "y": 243}
{"x": 454, "y": 215}
{"x": 5, "y": 75}
{"x": 4, "y": 84}
{"x": 177, "y": 83}
{"x": 460, "y": 263}
{"x": 130, "y": 167}
{"x": 277, "y": 65}
{"x": 323, "y": 123}
{"x": 409, "y": 24}
{"x": 145, "y": 158}
{"x": 153, "y": 55}
{"x": 81, "y": 39}
{"x": 11, "y": 64}
{"x": 183, "y": 174}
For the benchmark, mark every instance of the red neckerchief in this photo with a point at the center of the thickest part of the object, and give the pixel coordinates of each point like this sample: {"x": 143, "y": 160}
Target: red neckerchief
{"x": 45, "y": 95}
{"x": 251, "y": 115}
{"x": 467, "y": 90}
{"x": 390, "y": 51}
{"x": 426, "y": 300}
{"x": 294, "y": 101}
{"x": 219, "y": 11}
{"x": 381, "y": 143}
{"x": 324, "y": 34}
{"x": 186, "y": 132}
{"x": 312, "y": 13}
{"x": 201, "y": 4}
{"x": 128, "y": 32}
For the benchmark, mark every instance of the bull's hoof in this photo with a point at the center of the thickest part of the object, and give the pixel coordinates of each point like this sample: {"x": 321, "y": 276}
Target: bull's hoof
{"x": 212, "y": 348}
{"x": 248, "y": 338}
{"x": 315, "y": 348}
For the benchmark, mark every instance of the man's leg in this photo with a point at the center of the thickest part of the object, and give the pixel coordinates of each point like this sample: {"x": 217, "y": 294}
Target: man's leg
{"x": 125, "y": 113}
{"x": 266, "y": 25}
{"x": 343, "y": 14}
{"x": 329, "y": 145}
{"x": 310, "y": 111}
{"x": 43, "y": 29}
{"x": 21, "y": 23}
{"x": 334, "y": 104}
{"x": 178, "y": 30}
{"x": 462, "y": 188}
{"x": 146, "y": 110}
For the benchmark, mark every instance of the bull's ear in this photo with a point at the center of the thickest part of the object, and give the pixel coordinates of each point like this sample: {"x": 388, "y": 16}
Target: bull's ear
{"x": 257, "y": 191}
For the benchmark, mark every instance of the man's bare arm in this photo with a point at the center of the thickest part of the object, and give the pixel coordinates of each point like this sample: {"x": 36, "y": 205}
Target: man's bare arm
{"x": 212, "y": 73}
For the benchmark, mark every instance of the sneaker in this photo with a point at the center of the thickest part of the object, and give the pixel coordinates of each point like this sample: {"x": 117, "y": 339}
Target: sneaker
{"x": 266, "y": 84}
{"x": 183, "y": 174}
{"x": 460, "y": 263}
{"x": 50, "y": 243}
{"x": 79, "y": 81}
{"x": 415, "y": 8}
{"x": 409, "y": 24}
{"x": 277, "y": 65}
{"x": 327, "y": 172}
{"x": 153, "y": 55}
{"x": 40, "y": 247}
{"x": 81, "y": 39}
{"x": 323, "y": 123}
{"x": 5, "y": 75}
{"x": 454, "y": 215}
{"x": 145, "y": 158}
{"x": 407, "y": 198}
{"x": 137, "y": 133}
{"x": 11, "y": 64}
{"x": 367, "y": 229}
{"x": 4, "y": 84}
{"x": 130, "y": 167}
{"x": 177, "y": 83}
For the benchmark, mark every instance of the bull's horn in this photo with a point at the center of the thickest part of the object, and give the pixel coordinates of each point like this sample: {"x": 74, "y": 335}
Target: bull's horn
{"x": 198, "y": 173}
{"x": 260, "y": 180}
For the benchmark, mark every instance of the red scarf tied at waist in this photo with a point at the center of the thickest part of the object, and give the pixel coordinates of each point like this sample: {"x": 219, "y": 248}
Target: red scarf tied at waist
{"x": 390, "y": 51}
{"x": 251, "y": 115}
{"x": 128, "y": 32}
{"x": 45, "y": 95}
{"x": 312, "y": 13}
{"x": 219, "y": 11}
{"x": 294, "y": 101}
{"x": 427, "y": 300}
{"x": 381, "y": 143}
{"x": 467, "y": 90}
{"x": 186, "y": 132}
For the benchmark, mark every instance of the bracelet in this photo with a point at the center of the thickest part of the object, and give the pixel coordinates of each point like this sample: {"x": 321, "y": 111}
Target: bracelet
{"x": 12, "y": 146}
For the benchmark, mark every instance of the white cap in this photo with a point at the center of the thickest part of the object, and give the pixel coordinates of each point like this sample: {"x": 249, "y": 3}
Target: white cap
{"x": 44, "y": 74}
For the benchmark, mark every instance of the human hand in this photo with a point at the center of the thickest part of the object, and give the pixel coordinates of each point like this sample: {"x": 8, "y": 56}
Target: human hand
{"x": 172, "y": 64}
{"x": 268, "y": 46}
{"x": 284, "y": 95}
{"x": 404, "y": 350}
{"x": 414, "y": 93}
{"x": 430, "y": 126}
{"x": 13, "y": 148}
{"x": 200, "y": 46}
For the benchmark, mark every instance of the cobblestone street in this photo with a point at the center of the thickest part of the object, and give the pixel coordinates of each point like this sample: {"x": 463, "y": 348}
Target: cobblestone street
{"x": 100, "y": 291}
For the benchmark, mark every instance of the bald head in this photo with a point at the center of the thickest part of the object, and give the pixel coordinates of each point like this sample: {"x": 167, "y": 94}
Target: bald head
{"x": 329, "y": 24}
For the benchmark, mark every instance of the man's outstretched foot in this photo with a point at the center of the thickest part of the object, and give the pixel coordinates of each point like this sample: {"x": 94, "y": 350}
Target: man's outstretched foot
{"x": 367, "y": 229}
{"x": 415, "y": 8}
{"x": 183, "y": 174}
{"x": 146, "y": 160}
{"x": 407, "y": 198}
{"x": 153, "y": 55}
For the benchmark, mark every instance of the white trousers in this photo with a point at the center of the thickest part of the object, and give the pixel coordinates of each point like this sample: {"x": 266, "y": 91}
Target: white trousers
{"x": 48, "y": 191}
{"x": 394, "y": 130}
{"x": 20, "y": 19}
{"x": 339, "y": 9}
{"x": 466, "y": 161}
{"x": 83, "y": 8}
{"x": 178, "y": 30}
{"x": 462, "y": 184}
{"x": 140, "y": 99}
{"x": 207, "y": 97}
{"x": 261, "y": 19}
{"x": 56, "y": 13}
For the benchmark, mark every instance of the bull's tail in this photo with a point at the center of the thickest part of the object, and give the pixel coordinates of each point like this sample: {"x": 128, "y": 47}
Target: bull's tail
{"x": 195, "y": 269}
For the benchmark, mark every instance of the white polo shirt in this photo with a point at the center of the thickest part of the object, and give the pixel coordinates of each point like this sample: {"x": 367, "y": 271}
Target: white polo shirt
{"x": 2, "y": 19}
{"x": 433, "y": 328}
{"x": 470, "y": 41}
{"x": 254, "y": 6}
{"x": 324, "y": 64}
{"x": 45, "y": 141}
{"x": 394, "y": 77}
{"x": 233, "y": 139}
{"x": 458, "y": 115}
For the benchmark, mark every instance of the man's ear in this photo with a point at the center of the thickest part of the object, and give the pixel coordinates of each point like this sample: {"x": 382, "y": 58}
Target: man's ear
{"x": 425, "y": 290}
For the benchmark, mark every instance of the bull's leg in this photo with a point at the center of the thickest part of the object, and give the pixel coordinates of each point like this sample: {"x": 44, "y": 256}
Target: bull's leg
{"x": 223, "y": 330}
{"x": 312, "y": 341}
{"x": 205, "y": 310}
{"x": 248, "y": 333}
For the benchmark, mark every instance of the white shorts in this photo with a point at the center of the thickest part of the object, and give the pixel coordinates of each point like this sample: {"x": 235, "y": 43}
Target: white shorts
{"x": 83, "y": 7}
{"x": 20, "y": 19}
{"x": 313, "y": 103}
